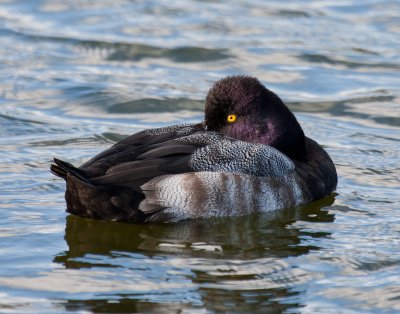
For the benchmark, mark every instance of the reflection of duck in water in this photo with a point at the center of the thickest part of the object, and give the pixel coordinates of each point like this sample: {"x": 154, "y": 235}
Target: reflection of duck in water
{"x": 211, "y": 259}
{"x": 250, "y": 236}
{"x": 249, "y": 155}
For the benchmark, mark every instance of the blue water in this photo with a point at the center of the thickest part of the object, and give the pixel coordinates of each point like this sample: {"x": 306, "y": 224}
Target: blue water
{"x": 76, "y": 77}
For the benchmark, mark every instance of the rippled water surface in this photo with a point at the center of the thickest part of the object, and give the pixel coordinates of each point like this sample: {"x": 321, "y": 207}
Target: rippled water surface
{"x": 77, "y": 76}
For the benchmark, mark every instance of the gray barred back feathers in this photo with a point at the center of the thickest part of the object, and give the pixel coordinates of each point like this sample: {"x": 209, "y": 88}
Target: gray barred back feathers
{"x": 237, "y": 157}
{"x": 179, "y": 129}
{"x": 224, "y": 154}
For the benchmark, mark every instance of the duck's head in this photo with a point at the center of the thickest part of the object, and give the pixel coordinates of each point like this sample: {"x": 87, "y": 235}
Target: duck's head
{"x": 241, "y": 107}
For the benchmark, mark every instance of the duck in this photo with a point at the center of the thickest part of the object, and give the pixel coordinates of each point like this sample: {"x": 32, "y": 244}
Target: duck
{"x": 248, "y": 155}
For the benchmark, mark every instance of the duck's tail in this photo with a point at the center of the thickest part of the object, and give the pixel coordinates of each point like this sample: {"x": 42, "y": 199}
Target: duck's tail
{"x": 88, "y": 199}
{"x": 62, "y": 169}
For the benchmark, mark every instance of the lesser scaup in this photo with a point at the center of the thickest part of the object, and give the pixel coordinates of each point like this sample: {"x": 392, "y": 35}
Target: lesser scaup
{"x": 249, "y": 155}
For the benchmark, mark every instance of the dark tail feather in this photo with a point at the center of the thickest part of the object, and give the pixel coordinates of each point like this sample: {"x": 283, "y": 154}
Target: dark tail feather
{"x": 62, "y": 168}
{"x": 57, "y": 171}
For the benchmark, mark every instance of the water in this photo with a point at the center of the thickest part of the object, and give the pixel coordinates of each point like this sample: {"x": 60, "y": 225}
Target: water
{"x": 77, "y": 76}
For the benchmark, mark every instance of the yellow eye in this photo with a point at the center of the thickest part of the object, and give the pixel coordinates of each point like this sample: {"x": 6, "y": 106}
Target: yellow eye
{"x": 231, "y": 118}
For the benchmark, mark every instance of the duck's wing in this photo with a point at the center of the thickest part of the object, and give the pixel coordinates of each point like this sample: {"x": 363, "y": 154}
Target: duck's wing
{"x": 120, "y": 165}
{"x": 128, "y": 149}
{"x": 198, "y": 152}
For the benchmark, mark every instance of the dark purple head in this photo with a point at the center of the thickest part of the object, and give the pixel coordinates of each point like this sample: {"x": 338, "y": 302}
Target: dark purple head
{"x": 241, "y": 107}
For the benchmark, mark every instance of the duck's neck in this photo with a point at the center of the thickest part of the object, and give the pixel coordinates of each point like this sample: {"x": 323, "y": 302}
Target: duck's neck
{"x": 290, "y": 140}
{"x": 318, "y": 172}
{"x": 287, "y": 134}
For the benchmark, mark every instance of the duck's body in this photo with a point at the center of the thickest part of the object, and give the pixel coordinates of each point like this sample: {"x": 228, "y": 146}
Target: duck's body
{"x": 259, "y": 161}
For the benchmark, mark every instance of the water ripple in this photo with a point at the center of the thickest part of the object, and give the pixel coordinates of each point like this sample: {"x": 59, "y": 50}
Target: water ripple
{"x": 77, "y": 76}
